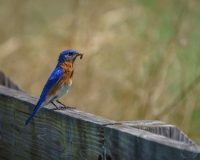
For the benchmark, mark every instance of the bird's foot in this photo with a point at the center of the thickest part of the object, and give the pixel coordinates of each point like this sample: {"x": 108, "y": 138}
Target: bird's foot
{"x": 64, "y": 108}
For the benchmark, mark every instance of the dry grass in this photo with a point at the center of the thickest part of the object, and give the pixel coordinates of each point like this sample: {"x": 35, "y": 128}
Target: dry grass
{"x": 141, "y": 57}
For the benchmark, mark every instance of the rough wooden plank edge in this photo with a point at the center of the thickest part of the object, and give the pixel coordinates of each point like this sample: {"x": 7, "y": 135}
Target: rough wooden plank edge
{"x": 4, "y": 91}
{"x": 160, "y": 128}
{"x": 125, "y": 142}
{"x": 6, "y": 81}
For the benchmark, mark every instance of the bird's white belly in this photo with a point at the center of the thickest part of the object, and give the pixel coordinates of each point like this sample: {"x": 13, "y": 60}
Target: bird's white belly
{"x": 63, "y": 90}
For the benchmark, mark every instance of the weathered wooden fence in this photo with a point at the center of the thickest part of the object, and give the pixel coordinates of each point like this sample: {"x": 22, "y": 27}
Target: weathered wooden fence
{"x": 75, "y": 135}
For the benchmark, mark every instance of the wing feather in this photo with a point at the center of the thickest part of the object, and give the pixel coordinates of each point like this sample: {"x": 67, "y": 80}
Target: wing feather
{"x": 54, "y": 77}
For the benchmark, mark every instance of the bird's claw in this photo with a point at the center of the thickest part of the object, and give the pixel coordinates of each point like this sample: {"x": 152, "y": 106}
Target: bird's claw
{"x": 65, "y": 107}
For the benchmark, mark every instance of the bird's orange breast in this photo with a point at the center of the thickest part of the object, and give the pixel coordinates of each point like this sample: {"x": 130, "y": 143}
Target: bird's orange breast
{"x": 65, "y": 80}
{"x": 68, "y": 74}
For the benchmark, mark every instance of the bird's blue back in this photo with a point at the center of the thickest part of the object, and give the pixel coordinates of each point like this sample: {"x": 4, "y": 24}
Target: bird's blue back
{"x": 54, "y": 77}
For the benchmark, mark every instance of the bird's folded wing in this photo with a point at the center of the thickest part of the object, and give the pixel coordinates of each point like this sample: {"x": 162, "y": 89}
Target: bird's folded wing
{"x": 53, "y": 79}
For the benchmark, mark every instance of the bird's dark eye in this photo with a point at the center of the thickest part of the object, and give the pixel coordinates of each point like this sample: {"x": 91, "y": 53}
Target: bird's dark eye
{"x": 70, "y": 54}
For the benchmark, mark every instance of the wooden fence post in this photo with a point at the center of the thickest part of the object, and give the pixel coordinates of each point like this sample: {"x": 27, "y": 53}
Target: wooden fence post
{"x": 75, "y": 135}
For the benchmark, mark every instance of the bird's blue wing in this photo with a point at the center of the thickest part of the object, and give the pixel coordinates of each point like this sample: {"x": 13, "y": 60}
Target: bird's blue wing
{"x": 54, "y": 77}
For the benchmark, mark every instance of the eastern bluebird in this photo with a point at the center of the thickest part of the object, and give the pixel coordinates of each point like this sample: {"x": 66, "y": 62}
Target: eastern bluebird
{"x": 59, "y": 81}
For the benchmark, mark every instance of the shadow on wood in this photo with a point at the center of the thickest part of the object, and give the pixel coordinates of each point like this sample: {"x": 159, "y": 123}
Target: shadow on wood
{"x": 75, "y": 135}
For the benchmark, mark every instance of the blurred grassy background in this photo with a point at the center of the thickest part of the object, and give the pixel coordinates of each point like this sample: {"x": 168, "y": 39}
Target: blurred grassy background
{"x": 142, "y": 57}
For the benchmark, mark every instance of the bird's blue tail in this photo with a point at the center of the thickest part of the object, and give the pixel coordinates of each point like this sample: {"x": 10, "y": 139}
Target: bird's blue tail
{"x": 37, "y": 107}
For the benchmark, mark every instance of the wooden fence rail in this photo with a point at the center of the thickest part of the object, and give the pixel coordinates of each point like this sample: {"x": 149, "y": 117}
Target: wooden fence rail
{"x": 75, "y": 135}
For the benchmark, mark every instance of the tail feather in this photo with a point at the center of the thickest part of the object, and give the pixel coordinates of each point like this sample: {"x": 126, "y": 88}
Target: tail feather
{"x": 37, "y": 107}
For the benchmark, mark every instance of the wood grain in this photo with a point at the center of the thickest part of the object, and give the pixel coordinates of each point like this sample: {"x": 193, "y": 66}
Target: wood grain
{"x": 69, "y": 134}
{"x": 125, "y": 142}
{"x": 160, "y": 128}
{"x": 75, "y": 135}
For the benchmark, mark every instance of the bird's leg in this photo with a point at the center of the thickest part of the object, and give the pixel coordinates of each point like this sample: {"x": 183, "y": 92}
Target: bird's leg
{"x": 61, "y": 103}
{"x": 65, "y": 107}
{"x": 55, "y": 106}
{"x": 59, "y": 108}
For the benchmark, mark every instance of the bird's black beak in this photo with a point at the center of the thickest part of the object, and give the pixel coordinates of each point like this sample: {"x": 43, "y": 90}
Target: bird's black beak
{"x": 79, "y": 54}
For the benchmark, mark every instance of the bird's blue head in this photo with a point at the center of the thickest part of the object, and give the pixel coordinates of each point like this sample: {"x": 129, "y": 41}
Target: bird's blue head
{"x": 69, "y": 55}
